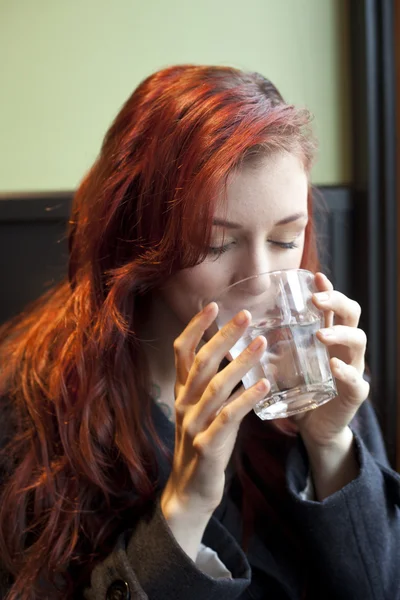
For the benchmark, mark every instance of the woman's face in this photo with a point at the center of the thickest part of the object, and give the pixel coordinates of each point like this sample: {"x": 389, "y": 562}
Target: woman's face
{"x": 260, "y": 228}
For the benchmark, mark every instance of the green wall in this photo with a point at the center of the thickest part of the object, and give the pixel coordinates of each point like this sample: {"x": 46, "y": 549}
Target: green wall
{"x": 66, "y": 66}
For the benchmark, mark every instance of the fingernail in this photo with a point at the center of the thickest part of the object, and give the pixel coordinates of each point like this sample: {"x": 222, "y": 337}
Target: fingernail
{"x": 329, "y": 332}
{"x": 261, "y": 385}
{"x": 209, "y": 308}
{"x": 242, "y": 317}
{"x": 322, "y": 297}
{"x": 256, "y": 344}
{"x": 338, "y": 364}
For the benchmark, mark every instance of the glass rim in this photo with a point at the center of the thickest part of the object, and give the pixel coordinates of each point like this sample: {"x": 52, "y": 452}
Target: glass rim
{"x": 228, "y": 287}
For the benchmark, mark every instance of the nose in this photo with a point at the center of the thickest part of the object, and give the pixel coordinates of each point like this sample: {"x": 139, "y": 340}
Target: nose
{"x": 255, "y": 285}
{"x": 253, "y": 273}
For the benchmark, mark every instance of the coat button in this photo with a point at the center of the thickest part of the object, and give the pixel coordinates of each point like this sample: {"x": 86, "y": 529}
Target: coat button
{"x": 118, "y": 590}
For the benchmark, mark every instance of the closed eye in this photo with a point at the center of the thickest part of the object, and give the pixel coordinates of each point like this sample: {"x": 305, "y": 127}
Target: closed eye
{"x": 284, "y": 245}
{"x": 217, "y": 250}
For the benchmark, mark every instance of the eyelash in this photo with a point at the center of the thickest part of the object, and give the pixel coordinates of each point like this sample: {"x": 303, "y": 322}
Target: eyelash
{"x": 285, "y": 245}
{"x": 222, "y": 249}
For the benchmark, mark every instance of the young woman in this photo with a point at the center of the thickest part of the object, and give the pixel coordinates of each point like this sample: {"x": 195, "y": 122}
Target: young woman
{"x": 132, "y": 463}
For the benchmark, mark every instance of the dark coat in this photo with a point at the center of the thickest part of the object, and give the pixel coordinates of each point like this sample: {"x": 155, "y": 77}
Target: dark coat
{"x": 351, "y": 540}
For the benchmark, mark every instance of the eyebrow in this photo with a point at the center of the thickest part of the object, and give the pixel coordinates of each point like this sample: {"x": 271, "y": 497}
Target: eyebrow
{"x": 285, "y": 221}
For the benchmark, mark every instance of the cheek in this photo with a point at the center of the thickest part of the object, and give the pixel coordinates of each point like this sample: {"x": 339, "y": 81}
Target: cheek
{"x": 187, "y": 292}
{"x": 288, "y": 259}
{"x": 300, "y": 251}
{"x": 297, "y": 257}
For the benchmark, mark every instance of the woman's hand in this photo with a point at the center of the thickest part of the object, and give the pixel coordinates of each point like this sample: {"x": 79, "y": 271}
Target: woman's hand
{"x": 325, "y": 430}
{"x": 207, "y": 421}
{"x": 346, "y": 345}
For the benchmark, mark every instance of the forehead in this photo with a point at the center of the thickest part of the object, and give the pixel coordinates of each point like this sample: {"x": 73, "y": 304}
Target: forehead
{"x": 265, "y": 191}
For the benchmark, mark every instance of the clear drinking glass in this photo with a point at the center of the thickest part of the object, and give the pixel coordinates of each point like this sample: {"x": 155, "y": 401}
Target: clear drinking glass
{"x": 295, "y": 362}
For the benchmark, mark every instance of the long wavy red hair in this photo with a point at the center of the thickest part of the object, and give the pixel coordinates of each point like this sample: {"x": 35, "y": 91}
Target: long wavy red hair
{"x": 80, "y": 446}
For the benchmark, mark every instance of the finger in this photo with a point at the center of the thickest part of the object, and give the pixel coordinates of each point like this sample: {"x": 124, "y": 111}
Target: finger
{"x": 207, "y": 361}
{"x": 220, "y": 387}
{"x": 351, "y": 385}
{"x": 185, "y": 345}
{"x": 323, "y": 284}
{"x": 346, "y": 311}
{"x": 352, "y": 338}
{"x": 229, "y": 418}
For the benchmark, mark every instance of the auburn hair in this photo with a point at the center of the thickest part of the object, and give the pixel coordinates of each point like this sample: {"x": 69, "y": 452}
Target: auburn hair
{"x": 79, "y": 452}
